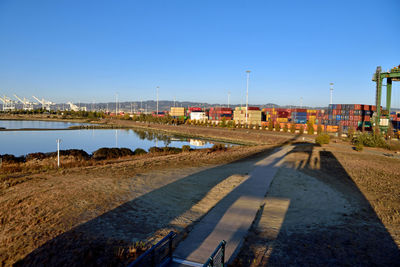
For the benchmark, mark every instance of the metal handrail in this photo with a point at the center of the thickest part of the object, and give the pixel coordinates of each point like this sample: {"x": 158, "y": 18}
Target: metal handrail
{"x": 221, "y": 246}
{"x": 151, "y": 251}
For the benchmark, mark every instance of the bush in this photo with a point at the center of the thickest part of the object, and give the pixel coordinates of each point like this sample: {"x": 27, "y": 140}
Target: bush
{"x": 35, "y": 156}
{"x": 359, "y": 147}
{"x": 139, "y": 151}
{"x": 370, "y": 140}
{"x": 319, "y": 129}
{"x": 277, "y": 127}
{"x": 293, "y": 128}
{"x": 301, "y": 129}
{"x": 285, "y": 128}
{"x": 111, "y": 153}
{"x": 322, "y": 139}
{"x": 155, "y": 149}
{"x": 175, "y": 150}
{"x": 185, "y": 148}
{"x": 310, "y": 128}
{"x": 218, "y": 147}
{"x": 12, "y": 159}
{"x": 270, "y": 126}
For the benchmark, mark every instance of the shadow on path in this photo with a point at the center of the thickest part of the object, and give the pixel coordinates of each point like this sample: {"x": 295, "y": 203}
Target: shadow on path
{"x": 356, "y": 237}
{"x": 94, "y": 242}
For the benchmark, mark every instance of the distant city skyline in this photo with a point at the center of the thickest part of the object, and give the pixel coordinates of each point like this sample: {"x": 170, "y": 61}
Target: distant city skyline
{"x": 198, "y": 51}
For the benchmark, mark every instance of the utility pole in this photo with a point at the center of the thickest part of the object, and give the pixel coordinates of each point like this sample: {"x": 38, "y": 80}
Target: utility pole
{"x": 58, "y": 152}
{"x": 229, "y": 96}
{"x": 157, "y": 99}
{"x": 116, "y": 104}
{"x": 247, "y": 93}
{"x": 331, "y": 89}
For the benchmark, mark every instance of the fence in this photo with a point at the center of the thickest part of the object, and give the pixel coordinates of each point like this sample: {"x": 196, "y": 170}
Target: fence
{"x": 158, "y": 255}
{"x": 217, "y": 258}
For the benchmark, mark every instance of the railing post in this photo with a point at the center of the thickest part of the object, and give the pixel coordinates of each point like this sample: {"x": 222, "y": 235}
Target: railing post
{"x": 223, "y": 253}
{"x": 170, "y": 247}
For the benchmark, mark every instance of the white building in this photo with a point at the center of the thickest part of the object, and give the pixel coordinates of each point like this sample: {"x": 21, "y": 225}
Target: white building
{"x": 198, "y": 116}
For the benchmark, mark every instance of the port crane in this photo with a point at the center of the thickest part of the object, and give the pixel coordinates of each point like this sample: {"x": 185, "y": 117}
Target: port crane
{"x": 8, "y": 103}
{"x": 74, "y": 107}
{"x": 45, "y": 104}
{"x": 27, "y": 105}
{"x": 378, "y": 77}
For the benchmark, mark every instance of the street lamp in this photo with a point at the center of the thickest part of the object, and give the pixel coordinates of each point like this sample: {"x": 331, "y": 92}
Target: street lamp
{"x": 157, "y": 99}
{"x": 247, "y": 93}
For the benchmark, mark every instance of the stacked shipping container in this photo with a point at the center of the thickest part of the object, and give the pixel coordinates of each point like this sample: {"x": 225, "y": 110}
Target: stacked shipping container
{"x": 254, "y": 116}
{"x": 218, "y": 113}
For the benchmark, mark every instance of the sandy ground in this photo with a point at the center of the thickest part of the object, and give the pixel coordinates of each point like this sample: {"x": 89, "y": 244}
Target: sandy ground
{"x": 315, "y": 217}
{"x": 98, "y": 213}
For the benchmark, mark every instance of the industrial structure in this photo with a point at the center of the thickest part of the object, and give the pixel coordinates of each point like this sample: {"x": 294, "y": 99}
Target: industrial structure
{"x": 46, "y": 105}
{"x": 8, "y": 103}
{"x": 26, "y": 104}
{"x": 379, "y": 76}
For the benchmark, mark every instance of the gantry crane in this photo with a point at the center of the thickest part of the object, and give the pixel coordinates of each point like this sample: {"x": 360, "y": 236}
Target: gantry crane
{"x": 27, "y": 105}
{"x": 8, "y": 103}
{"x": 390, "y": 76}
{"x": 45, "y": 104}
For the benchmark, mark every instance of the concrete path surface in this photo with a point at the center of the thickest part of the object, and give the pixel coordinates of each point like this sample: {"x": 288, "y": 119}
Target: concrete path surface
{"x": 232, "y": 217}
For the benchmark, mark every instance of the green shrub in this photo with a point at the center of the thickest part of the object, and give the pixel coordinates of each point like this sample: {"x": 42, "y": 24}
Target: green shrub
{"x": 277, "y": 127}
{"x": 301, "y": 129}
{"x": 370, "y": 140}
{"x": 285, "y": 128}
{"x": 139, "y": 151}
{"x": 310, "y": 128}
{"x": 270, "y": 126}
{"x": 185, "y": 148}
{"x": 322, "y": 139}
{"x": 293, "y": 128}
{"x": 359, "y": 147}
{"x": 319, "y": 129}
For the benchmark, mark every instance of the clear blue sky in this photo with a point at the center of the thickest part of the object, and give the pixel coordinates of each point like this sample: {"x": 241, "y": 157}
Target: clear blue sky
{"x": 198, "y": 50}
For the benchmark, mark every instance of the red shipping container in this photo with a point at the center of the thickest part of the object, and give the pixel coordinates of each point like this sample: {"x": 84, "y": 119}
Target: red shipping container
{"x": 357, "y": 107}
{"x": 338, "y": 106}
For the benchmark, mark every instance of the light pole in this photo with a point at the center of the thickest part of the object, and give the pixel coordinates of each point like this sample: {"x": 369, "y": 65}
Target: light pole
{"x": 229, "y": 96}
{"x": 247, "y": 93}
{"x": 157, "y": 99}
{"x": 58, "y": 152}
{"x": 331, "y": 89}
{"x": 116, "y": 104}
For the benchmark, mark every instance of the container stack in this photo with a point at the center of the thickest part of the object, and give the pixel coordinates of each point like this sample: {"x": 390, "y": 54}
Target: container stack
{"x": 193, "y": 109}
{"x": 177, "y": 112}
{"x": 395, "y": 120}
{"x": 299, "y": 116}
{"x": 254, "y": 116}
{"x": 218, "y": 113}
{"x": 348, "y": 116}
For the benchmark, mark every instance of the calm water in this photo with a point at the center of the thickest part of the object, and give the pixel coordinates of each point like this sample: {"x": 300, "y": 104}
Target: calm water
{"x": 24, "y": 142}
{"x": 36, "y": 124}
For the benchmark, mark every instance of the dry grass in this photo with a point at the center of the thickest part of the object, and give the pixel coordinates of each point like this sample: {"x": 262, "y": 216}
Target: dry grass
{"x": 378, "y": 178}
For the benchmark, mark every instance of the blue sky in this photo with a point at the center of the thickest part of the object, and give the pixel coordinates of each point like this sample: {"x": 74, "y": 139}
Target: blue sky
{"x": 198, "y": 50}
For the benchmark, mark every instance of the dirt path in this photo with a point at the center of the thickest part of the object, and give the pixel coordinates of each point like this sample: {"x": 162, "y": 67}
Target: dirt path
{"x": 317, "y": 217}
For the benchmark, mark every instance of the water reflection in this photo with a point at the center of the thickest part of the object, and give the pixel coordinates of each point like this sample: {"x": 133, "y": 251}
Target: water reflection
{"x": 195, "y": 142}
{"x": 24, "y": 142}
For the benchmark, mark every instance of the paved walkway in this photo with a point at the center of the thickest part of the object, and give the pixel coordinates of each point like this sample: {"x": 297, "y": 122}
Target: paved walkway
{"x": 232, "y": 217}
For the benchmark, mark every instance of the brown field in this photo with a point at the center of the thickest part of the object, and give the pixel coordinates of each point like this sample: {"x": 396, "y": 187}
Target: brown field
{"x": 327, "y": 205}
